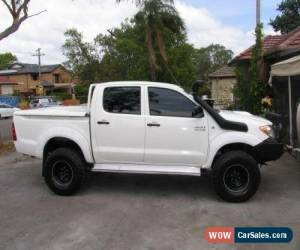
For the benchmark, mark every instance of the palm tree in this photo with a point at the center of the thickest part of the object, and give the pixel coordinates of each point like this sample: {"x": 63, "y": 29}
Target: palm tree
{"x": 158, "y": 16}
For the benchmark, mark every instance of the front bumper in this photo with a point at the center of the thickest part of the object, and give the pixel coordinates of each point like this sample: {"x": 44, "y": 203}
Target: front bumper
{"x": 268, "y": 150}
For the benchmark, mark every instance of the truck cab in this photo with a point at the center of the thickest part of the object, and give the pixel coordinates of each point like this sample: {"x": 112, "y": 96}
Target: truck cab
{"x": 150, "y": 128}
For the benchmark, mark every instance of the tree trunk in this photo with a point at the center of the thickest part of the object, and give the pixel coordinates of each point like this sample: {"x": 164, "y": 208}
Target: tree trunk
{"x": 151, "y": 54}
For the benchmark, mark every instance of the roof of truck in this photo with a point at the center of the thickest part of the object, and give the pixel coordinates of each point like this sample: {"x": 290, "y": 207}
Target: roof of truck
{"x": 142, "y": 83}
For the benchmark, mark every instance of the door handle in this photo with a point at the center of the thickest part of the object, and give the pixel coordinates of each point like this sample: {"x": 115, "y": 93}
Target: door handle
{"x": 153, "y": 124}
{"x": 103, "y": 122}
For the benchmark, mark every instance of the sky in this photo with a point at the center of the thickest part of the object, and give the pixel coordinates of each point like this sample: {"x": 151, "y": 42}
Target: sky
{"x": 227, "y": 22}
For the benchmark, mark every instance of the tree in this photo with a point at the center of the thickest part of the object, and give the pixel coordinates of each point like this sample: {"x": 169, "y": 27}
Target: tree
{"x": 289, "y": 18}
{"x": 122, "y": 55}
{"x": 251, "y": 88}
{"x": 6, "y": 59}
{"x": 82, "y": 57}
{"x": 209, "y": 59}
{"x": 158, "y": 16}
{"x": 18, "y": 10}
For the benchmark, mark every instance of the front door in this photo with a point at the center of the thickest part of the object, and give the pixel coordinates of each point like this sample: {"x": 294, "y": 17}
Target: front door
{"x": 118, "y": 125}
{"x": 173, "y": 135}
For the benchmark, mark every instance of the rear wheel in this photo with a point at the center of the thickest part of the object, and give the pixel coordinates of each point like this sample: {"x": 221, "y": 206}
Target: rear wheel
{"x": 64, "y": 171}
{"x": 236, "y": 176}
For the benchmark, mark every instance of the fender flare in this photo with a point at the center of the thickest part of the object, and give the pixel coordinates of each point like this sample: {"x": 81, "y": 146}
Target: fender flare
{"x": 67, "y": 133}
{"x": 226, "y": 139}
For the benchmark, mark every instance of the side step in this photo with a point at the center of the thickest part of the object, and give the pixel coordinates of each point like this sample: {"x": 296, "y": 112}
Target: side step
{"x": 147, "y": 169}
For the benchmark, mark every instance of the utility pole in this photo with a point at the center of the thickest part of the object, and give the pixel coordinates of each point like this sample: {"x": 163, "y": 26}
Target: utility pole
{"x": 257, "y": 12}
{"x": 39, "y": 55}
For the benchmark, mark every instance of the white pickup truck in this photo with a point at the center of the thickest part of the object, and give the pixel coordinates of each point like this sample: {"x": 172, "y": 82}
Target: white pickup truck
{"x": 148, "y": 128}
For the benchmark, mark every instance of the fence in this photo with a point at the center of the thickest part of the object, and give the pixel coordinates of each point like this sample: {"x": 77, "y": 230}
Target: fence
{"x": 10, "y": 100}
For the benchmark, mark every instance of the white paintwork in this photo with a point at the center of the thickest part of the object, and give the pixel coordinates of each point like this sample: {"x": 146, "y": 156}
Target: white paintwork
{"x": 127, "y": 144}
{"x": 7, "y": 110}
{"x": 59, "y": 111}
{"x": 33, "y": 132}
{"x": 177, "y": 140}
{"x": 147, "y": 169}
{"x": 123, "y": 139}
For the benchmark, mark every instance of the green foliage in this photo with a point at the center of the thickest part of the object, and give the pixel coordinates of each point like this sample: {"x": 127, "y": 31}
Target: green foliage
{"x": 150, "y": 46}
{"x": 123, "y": 55}
{"x": 82, "y": 57}
{"x": 244, "y": 99}
{"x": 289, "y": 18}
{"x": 250, "y": 88}
{"x": 17, "y": 93}
{"x": 81, "y": 92}
{"x": 209, "y": 59}
{"x": 6, "y": 59}
{"x": 61, "y": 96}
{"x": 158, "y": 17}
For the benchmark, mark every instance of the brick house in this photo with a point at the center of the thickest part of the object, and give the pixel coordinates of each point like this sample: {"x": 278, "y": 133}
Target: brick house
{"x": 7, "y": 86}
{"x": 276, "y": 49}
{"x": 222, "y": 84}
{"x": 53, "y": 78}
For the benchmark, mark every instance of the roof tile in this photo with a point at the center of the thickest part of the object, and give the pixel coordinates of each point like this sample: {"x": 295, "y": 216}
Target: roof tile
{"x": 274, "y": 44}
{"x": 4, "y": 80}
{"x": 26, "y": 68}
{"x": 269, "y": 43}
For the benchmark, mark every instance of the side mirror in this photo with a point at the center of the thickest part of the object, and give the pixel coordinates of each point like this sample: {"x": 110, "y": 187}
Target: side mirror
{"x": 197, "y": 112}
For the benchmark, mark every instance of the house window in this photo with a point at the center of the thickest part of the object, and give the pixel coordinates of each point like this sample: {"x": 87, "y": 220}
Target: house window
{"x": 35, "y": 77}
{"x": 56, "y": 78}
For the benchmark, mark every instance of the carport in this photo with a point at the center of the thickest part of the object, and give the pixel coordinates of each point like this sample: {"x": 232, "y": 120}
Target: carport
{"x": 285, "y": 79}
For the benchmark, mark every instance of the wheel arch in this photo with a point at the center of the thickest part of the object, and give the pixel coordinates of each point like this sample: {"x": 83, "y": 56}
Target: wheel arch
{"x": 228, "y": 142}
{"x": 61, "y": 142}
{"x": 232, "y": 147}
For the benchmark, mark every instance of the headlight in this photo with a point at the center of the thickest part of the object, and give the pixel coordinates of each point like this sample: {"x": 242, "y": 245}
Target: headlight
{"x": 267, "y": 130}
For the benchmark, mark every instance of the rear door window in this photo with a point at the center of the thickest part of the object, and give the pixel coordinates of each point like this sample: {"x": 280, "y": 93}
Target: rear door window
{"x": 122, "y": 100}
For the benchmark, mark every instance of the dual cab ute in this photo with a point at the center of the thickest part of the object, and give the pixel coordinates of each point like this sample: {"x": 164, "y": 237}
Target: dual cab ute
{"x": 148, "y": 128}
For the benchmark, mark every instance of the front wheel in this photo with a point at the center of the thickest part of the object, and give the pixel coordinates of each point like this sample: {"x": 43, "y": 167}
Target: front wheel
{"x": 64, "y": 171}
{"x": 236, "y": 176}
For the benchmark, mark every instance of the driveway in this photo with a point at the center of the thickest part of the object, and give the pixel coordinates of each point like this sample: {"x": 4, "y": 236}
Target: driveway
{"x": 138, "y": 211}
{"x": 5, "y": 128}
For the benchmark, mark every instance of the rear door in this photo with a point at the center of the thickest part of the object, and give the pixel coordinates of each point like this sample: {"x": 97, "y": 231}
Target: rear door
{"x": 118, "y": 124}
{"x": 173, "y": 135}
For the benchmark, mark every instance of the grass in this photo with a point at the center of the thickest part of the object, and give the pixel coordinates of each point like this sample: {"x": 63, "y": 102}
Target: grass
{"x": 6, "y": 147}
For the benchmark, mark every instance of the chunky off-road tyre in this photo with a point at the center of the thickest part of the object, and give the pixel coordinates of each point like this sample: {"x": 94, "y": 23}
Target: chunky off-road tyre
{"x": 64, "y": 171}
{"x": 236, "y": 176}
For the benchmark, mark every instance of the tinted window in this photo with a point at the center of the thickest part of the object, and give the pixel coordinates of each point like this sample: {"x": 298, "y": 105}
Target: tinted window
{"x": 122, "y": 100}
{"x": 166, "y": 102}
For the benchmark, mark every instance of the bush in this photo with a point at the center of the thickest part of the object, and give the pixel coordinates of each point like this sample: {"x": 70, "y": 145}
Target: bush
{"x": 81, "y": 92}
{"x": 61, "y": 96}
